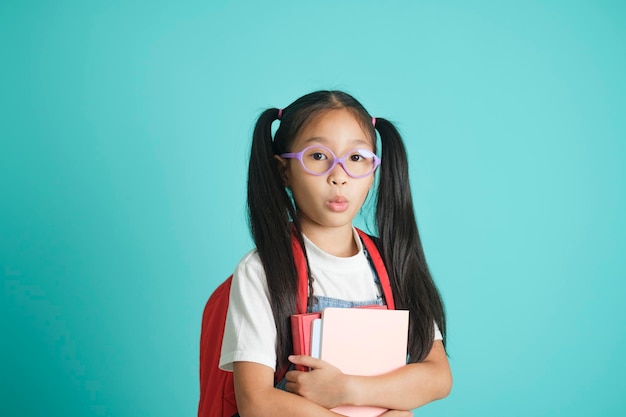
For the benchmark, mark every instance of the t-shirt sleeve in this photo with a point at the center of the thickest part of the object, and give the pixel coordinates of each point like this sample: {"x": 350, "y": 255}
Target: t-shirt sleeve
{"x": 438, "y": 335}
{"x": 250, "y": 331}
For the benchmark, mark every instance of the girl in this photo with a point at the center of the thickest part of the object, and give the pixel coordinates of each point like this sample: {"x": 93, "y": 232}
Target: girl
{"x": 311, "y": 181}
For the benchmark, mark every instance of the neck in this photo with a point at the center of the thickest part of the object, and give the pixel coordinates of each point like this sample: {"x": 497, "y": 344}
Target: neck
{"x": 337, "y": 241}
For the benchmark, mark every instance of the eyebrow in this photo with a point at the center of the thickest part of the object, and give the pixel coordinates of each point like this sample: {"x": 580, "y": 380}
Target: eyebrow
{"x": 325, "y": 141}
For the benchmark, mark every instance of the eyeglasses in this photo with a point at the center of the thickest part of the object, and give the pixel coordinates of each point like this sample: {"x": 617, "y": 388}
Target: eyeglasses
{"x": 319, "y": 160}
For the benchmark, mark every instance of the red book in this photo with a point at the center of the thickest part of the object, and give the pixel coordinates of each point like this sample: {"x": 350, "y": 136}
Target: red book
{"x": 301, "y": 334}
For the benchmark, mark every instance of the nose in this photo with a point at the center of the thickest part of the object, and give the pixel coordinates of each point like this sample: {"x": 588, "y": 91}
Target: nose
{"x": 338, "y": 175}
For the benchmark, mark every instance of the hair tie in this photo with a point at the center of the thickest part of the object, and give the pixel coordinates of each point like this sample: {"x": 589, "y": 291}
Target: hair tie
{"x": 374, "y": 121}
{"x": 280, "y": 114}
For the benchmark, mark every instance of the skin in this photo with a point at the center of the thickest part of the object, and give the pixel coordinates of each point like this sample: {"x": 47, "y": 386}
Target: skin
{"x": 327, "y": 205}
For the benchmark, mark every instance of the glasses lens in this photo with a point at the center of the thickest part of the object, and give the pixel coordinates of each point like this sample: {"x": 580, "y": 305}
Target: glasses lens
{"x": 317, "y": 160}
{"x": 359, "y": 162}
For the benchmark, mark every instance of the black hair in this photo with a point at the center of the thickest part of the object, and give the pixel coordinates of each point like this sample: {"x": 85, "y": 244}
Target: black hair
{"x": 273, "y": 218}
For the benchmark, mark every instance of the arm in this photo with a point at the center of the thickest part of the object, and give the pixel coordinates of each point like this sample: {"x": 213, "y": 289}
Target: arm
{"x": 406, "y": 388}
{"x": 256, "y": 395}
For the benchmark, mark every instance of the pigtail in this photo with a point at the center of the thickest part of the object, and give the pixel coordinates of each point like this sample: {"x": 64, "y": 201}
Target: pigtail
{"x": 270, "y": 212}
{"x": 401, "y": 247}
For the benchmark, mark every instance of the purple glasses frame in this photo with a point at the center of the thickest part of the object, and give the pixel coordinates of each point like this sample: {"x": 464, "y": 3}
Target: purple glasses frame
{"x": 336, "y": 160}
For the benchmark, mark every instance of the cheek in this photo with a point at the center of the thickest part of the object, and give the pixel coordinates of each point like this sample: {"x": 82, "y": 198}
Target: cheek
{"x": 300, "y": 185}
{"x": 369, "y": 184}
{"x": 367, "y": 187}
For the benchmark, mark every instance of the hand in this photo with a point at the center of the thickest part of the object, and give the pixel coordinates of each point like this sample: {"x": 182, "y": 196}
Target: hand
{"x": 323, "y": 384}
{"x": 397, "y": 413}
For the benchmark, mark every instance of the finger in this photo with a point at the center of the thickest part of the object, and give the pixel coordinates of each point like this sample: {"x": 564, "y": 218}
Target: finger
{"x": 291, "y": 387}
{"x": 307, "y": 361}
{"x": 292, "y": 375}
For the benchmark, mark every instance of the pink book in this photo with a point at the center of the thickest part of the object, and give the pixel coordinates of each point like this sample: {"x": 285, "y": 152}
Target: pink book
{"x": 301, "y": 332}
{"x": 364, "y": 342}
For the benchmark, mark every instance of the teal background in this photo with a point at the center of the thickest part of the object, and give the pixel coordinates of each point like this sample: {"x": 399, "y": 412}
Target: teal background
{"x": 124, "y": 134}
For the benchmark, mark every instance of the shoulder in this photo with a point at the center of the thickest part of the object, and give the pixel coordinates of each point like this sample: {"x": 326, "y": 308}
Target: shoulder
{"x": 250, "y": 260}
{"x": 249, "y": 275}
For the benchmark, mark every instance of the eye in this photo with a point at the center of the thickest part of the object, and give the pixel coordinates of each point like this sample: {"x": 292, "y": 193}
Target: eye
{"x": 318, "y": 156}
{"x": 360, "y": 155}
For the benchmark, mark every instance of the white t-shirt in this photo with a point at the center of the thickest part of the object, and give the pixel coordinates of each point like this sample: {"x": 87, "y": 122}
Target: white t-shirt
{"x": 250, "y": 331}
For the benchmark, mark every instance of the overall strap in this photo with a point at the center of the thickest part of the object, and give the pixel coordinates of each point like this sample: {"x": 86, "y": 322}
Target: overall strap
{"x": 379, "y": 265}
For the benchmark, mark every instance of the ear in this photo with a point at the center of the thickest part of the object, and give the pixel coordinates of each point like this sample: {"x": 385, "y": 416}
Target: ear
{"x": 281, "y": 163}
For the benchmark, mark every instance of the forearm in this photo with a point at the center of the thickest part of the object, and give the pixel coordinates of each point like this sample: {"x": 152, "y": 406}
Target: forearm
{"x": 256, "y": 397}
{"x": 277, "y": 403}
{"x": 404, "y": 389}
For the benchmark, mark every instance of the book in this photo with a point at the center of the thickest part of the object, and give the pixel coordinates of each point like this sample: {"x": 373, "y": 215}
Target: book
{"x": 364, "y": 342}
{"x": 301, "y": 334}
{"x": 316, "y": 338}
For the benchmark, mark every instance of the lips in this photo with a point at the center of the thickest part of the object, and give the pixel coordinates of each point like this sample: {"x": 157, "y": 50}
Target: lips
{"x": 338, "y": 204}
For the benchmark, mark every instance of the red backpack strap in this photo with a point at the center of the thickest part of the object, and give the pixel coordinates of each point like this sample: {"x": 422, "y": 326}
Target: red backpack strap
{"x": 303, "y": 275}
{"x": 372, "y": 249}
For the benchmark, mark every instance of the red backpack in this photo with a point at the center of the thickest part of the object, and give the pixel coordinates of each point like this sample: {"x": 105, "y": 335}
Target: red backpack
{"x": 217, "y": 392}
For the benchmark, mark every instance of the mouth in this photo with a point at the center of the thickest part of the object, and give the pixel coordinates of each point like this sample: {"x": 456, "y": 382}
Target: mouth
{"x": 338, "y": 204}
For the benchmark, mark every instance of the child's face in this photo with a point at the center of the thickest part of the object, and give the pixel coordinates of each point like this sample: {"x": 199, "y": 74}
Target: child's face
{"x": 331, "y": 200}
